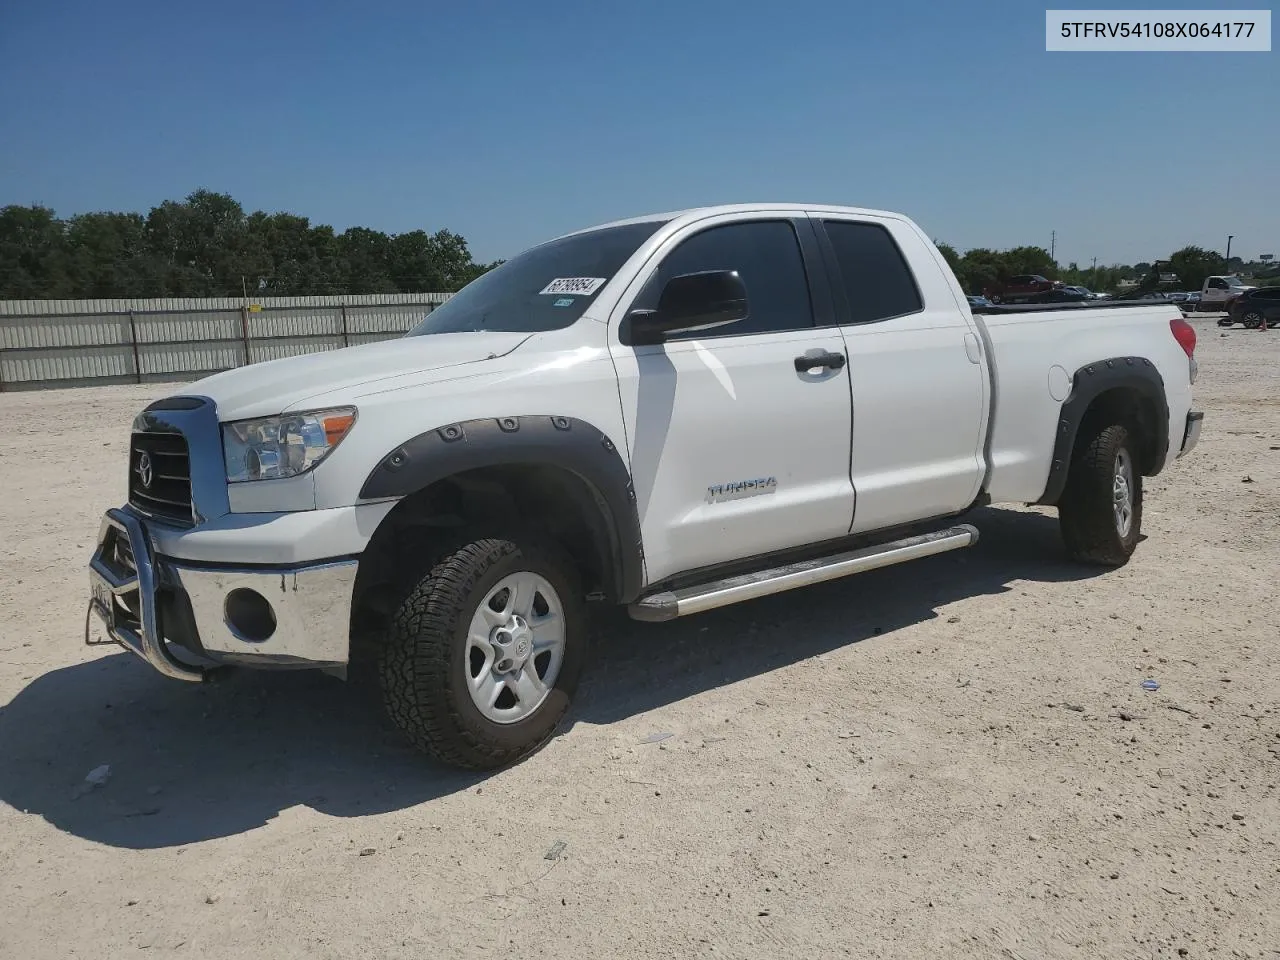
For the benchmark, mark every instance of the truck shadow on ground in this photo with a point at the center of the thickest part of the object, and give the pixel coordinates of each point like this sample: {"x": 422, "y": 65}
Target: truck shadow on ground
{"x": 191, "y": 763}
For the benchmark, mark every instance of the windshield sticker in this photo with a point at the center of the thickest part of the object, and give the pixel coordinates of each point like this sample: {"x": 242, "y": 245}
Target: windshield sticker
{"x": 564, "y": 302}
{"x": 582, "y": 286}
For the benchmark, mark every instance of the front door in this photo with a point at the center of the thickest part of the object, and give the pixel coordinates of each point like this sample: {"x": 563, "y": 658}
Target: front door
{"x": 734, "y": 451}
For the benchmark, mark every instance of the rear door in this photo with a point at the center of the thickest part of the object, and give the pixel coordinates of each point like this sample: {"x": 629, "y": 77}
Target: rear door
{"x": 917, "y": 372}
{"x": 735, "y": 452}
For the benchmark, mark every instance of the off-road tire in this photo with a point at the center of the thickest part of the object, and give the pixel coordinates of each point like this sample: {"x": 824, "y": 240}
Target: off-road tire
{"x": 421, "y": 666}
{"x": 1086, "y": 513}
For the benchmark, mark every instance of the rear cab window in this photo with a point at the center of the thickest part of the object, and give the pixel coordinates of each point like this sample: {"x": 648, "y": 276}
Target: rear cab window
{"x": 878, "y": 282}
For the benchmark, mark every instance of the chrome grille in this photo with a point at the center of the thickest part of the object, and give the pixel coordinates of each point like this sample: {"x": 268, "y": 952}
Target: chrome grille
{"x": 160, "y": 477}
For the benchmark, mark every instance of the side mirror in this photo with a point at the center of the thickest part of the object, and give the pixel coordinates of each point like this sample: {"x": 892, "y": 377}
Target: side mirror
{"x": 689, "y": 302}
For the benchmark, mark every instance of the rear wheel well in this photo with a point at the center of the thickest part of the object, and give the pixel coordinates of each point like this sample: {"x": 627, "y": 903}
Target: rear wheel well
{"x": 506, "y": 498}
{"x": 1132, "y": 408}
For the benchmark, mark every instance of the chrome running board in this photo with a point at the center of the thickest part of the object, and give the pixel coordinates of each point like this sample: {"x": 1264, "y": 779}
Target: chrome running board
{"x": 670, "y": 604}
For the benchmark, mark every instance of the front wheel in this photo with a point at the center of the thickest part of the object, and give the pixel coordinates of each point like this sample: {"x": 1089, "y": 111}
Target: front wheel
{"x": 1100, "y": 512}
{"x": 485, "y": 652}
{"x": 1252, "y": 320}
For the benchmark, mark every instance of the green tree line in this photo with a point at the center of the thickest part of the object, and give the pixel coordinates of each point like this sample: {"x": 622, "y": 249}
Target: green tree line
{"x": 207, "y": 246}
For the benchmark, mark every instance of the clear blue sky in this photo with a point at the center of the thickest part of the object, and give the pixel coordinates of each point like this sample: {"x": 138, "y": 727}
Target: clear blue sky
{"x": 513, "y": 121}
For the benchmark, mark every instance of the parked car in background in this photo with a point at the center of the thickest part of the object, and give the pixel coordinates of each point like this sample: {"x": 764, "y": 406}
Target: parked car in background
{"x": 1058, "y": 295}
{"x": 1218, "y": 292}
{"x": 1253, "y": 307}
{"x": 1088, "y": 294}
{"x": 1019, "y": 288}
{"x": 978, "y": 301}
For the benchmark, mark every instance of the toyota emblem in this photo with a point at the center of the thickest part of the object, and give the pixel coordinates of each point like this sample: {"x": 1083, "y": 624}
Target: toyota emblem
{"x": 143, "y": 470}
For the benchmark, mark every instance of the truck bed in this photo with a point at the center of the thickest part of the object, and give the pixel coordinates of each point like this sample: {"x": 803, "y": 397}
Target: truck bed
{"x": 1039, "y": 351}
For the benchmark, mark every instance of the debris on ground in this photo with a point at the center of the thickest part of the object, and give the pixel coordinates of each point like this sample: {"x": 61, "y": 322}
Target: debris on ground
{"x": 97, "y": 777}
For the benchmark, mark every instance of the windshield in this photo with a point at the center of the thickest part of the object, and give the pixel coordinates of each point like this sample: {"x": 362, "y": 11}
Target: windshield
{"x": 1234, "y": 281}
{"x": 546, "y": 287}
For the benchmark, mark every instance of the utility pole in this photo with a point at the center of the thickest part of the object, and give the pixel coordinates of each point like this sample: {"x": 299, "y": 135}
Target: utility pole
{"x": 1229, "y": 236}
{"x": 1053, "y": 245}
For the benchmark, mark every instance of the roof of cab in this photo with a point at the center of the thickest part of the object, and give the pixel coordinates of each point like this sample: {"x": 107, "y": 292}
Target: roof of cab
{"x": 699, "y": 213}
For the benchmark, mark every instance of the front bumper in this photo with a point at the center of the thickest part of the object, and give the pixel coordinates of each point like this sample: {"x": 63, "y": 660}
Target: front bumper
{"x": 1191, "y": 433}
{"x": 176, "y": 614}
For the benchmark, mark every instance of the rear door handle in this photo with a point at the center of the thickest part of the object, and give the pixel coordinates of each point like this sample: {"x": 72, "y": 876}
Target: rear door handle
{"x": 809, "y": 362}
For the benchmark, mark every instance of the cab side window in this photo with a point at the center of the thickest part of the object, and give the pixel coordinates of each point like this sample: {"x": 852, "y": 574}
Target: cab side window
{"x": 766, "y": 254}
{"x": 878, "y": 282}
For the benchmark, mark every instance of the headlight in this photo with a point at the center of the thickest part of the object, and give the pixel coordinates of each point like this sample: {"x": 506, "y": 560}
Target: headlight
{"x": 274, "y": 447}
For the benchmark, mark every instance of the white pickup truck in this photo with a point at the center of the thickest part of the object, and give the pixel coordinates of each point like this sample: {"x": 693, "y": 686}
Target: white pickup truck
{"x": 1218, "y": 292}
{"x": 671, "y": 413}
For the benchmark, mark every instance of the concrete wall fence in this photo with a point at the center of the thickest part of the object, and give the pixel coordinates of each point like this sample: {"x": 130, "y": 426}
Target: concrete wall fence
{"x": 62, "y": 343}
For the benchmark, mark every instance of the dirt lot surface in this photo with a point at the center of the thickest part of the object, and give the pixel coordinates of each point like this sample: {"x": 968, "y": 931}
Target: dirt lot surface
{"x": 951, "y": 758}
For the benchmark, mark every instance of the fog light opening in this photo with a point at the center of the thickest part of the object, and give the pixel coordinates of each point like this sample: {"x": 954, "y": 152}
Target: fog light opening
{"x": 249, "y": 615}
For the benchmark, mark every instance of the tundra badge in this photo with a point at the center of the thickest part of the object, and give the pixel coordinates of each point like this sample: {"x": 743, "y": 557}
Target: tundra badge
{"x": 738, "y": 489}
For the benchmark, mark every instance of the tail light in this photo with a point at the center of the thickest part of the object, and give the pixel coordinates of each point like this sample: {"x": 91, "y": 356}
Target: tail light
{"x": 1185, "y": 334}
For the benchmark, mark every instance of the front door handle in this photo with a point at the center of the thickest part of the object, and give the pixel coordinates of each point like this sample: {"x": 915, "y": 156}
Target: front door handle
{"x": 809, "y": 362}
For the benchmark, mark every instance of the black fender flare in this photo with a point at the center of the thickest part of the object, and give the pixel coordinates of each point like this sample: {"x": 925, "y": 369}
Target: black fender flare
{"x": 1090, "y": 382}
{"x": 565, "y": 442}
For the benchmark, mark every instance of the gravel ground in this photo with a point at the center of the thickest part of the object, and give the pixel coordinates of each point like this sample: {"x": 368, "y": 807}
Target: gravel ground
{"x": 950, "y": 758}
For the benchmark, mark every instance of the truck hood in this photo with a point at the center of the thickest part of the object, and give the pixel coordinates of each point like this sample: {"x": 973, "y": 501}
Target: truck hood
{"x": 275, "y": 386}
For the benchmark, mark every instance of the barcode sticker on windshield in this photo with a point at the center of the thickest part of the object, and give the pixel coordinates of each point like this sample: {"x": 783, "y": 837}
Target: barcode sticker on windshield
{"x": 582, "y": 286}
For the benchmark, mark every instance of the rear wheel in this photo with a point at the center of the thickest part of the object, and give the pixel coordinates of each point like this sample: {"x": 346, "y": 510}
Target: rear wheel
{"x": 1100, "y": 512}
{"x": 485, "y": 652}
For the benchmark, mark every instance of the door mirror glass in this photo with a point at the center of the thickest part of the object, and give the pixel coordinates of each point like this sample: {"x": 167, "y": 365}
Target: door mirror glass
{"x": 690, "y": 302}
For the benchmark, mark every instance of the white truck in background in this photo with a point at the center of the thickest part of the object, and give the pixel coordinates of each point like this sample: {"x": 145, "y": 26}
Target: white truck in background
{"x": 1216, "y": 293}
{"x": 671, "y": 413}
